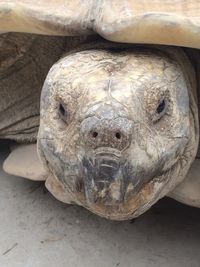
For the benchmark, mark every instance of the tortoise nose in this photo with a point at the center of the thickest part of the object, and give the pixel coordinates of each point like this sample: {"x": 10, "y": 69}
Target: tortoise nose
{"x": 114, "y": 133}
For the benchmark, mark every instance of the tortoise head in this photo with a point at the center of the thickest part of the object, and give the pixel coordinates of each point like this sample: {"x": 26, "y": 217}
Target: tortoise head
{"x": 118, "y": 127}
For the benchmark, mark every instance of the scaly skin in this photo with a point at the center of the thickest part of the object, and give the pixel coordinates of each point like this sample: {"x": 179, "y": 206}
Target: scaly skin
{"x": 25, "y": 60}
{"x": 119, "y": 128}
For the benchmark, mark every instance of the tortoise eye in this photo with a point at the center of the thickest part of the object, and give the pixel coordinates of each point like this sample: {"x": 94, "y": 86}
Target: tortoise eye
{"x": 160, "y": 110}
{"x": 63, "y": 112}
{"x": 161, "y": 107}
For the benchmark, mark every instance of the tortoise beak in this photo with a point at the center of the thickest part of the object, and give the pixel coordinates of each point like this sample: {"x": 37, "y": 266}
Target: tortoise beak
{"x": 103, "y": 179}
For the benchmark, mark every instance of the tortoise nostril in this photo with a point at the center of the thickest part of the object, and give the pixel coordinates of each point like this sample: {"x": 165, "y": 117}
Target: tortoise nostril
{"x": 94, "y": 134}
{"x": 118, "y": 135}
{"x": 97, "y": 132}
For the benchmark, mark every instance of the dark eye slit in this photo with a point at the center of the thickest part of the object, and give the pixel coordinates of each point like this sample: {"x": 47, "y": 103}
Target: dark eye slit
{"x": 62, "y": 110}
{"x": 161, "y": 107}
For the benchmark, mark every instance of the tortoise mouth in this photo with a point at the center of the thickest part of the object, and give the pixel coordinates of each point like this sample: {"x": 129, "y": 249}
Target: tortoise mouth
{"x": 109, "y": 179}
{"x": 113, "y": 153}
{"x": 102, "y": 175}
{"x": 137, "y": 202}
{"x": 115, "y": 189}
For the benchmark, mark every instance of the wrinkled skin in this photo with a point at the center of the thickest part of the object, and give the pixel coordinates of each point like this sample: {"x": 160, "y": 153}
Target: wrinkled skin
{"x": 117, "y": 128}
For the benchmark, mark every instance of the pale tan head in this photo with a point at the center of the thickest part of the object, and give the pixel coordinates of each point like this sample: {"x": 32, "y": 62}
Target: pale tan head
{"x": 117, "y": 127}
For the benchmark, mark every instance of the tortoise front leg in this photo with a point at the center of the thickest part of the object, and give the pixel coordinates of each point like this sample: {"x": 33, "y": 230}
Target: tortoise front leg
{"x": 23, "y": 161}
{"x": 188, "y": 192}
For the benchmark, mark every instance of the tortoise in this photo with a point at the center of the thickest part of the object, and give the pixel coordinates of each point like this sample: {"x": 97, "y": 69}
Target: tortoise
{"x": 112, "y": 87}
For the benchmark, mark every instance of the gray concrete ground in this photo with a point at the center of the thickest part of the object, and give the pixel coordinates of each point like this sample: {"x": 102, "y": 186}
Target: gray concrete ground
{"x": 36, "y": 230}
